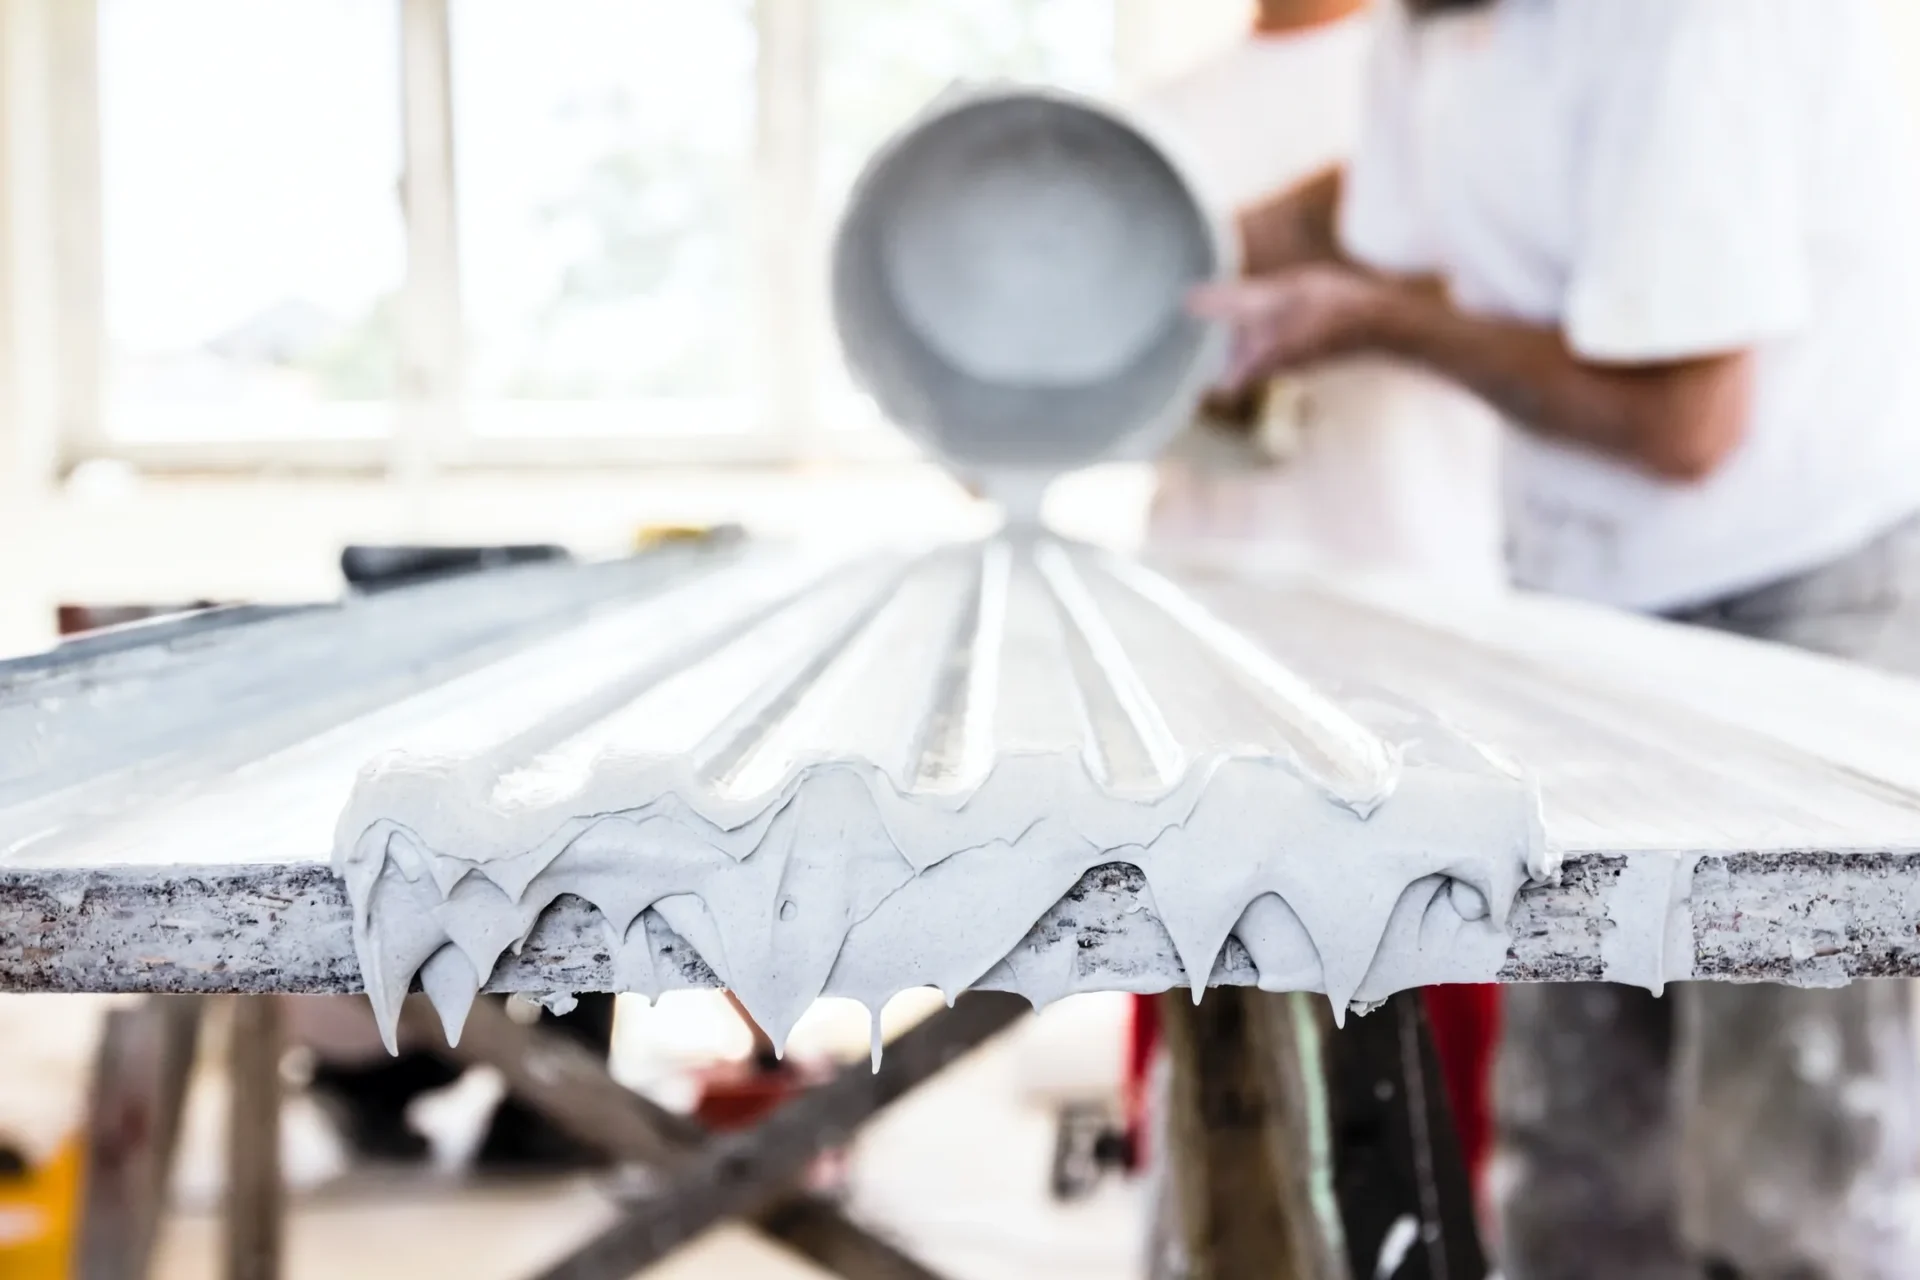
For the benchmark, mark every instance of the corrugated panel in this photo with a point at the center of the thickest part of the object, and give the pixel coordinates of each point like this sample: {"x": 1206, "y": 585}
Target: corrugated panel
{"x": 854, "y": 774}
{"x": 884, "y": 779}
{"x": 1642, "y": 735}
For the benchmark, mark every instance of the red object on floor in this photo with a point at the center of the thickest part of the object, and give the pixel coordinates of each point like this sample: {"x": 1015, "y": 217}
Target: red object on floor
{"x": 1465, "y": 1021}
{"x": 737, "y": 1095}
{"x": 1143, "y": 1037}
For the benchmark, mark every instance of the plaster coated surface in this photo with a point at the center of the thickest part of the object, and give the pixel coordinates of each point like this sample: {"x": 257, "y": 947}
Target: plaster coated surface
{"x": 1355, "y": 849}
{"x": 187, "y": 850}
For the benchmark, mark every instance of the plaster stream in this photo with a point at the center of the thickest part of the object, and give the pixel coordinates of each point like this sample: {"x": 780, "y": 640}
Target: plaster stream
{"x": 1386, "y": 854}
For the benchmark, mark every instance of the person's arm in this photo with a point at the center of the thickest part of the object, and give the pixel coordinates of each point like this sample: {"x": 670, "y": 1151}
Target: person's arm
{"x": 1293, "y": 227}
{"x": 1676, "y": 419}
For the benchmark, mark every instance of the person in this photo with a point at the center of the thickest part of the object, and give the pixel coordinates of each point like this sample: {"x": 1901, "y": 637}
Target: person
{"x": 1362, "y": 463}
{"x": 1673, "y": 244}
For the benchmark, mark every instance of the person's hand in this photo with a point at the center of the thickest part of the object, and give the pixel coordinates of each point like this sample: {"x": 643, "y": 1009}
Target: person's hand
{"x": 1236, "y": 411}
{"x": 1288, "y": 319}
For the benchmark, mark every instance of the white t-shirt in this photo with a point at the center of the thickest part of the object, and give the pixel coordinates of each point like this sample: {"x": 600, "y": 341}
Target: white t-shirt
{"x": 1392, "y": 469}
{"x": 1664, "y": 179}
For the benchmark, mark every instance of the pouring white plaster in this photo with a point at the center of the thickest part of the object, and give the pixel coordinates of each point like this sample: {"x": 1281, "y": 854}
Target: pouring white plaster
{"x": 1330, "y": 839}
{"x": 839, "y": 882}
{"x": 886, "y": 776}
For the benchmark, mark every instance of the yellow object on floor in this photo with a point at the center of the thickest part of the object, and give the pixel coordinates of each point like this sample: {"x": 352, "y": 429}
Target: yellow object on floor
{"x": 654, "y": 535}
{"x": 37, "y": 1214}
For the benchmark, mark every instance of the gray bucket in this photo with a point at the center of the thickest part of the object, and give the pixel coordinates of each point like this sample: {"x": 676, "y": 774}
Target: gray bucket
{"x": 1009, "y": 281}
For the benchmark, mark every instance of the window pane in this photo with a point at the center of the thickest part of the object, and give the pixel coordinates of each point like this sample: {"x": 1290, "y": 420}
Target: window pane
{"x": 254, "y": 243}
{"x": 883, "y": 59}
{"x": 604, "y": 151}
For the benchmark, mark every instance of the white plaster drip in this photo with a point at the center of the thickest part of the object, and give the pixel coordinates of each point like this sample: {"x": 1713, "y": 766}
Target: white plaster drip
{"x": 1650, "y": 909}
{"x": 838, "y": 882}
{"x": 1395, "y": 1246}
{"x": 817, "y": 838}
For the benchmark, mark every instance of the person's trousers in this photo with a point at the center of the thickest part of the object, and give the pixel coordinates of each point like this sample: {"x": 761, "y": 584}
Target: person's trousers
{"x": 1726, "y": 1131}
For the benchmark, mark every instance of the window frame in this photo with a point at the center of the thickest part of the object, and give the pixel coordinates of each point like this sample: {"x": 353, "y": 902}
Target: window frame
{"x": 58, "y": 115}
{"x": 50, "y": 158}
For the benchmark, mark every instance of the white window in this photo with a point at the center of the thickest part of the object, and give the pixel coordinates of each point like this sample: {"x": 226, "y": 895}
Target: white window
{"x": 603, "y": 160}
{"x": 254, "y": 244}
{"x": 622, "y": 258}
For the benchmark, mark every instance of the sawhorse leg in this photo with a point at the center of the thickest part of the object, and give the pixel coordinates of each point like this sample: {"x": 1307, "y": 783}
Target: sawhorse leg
{"x": 706, "y": 1179}
{"x": 1406, "y": 1198}
{"x": 741, "y": 1174}
{"x": 1295, "y": 1151}
{"x": 256, "y": 1198}
{"x": 141, "y": 1074}
{"x": 1248, "y": 1145}
{"x": 141, "y": 1070}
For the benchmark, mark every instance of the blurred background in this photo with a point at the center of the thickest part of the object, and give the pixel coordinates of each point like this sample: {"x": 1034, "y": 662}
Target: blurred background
{"x": 283, "y": 274}
{"x": 277, "y": 276}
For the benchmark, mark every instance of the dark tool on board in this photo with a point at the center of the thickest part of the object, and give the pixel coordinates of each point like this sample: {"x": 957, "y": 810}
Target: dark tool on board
{"x": 378, "y": 568}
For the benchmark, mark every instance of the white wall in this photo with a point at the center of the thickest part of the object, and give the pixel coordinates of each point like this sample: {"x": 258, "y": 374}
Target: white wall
{"x": 1903, "y": 24}
{"x": 28, "y": 317}
{"x": 1154, "y": 39}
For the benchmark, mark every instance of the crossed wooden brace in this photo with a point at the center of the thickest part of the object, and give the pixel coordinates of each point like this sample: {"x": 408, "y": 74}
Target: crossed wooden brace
{"x": 696, "y": 1179}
